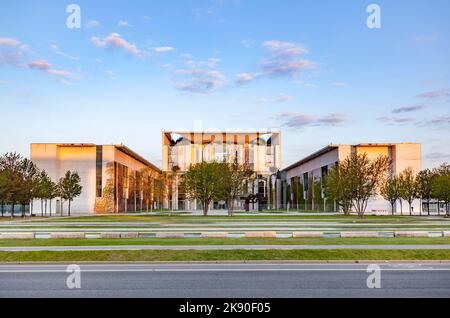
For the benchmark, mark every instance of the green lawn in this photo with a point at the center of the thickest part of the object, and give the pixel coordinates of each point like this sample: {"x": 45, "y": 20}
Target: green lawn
{"x": 226, "y": 241}
{"x": 237, "y": 218}
{"x": 226, "y": 255}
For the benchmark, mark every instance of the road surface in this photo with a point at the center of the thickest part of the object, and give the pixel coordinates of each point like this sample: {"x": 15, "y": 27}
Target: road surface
{"x": 226, "y": 280}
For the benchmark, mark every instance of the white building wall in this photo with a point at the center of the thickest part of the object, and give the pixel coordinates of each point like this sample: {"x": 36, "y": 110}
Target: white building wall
{"x": 56, "y": 160}
{"x": 402, "y": 155}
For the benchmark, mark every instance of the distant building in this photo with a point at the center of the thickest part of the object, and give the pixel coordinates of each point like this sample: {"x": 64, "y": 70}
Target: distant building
{"x": 300, "y": 184}
{"x": 114, "y": 178}
{"x": 260, "y": 149}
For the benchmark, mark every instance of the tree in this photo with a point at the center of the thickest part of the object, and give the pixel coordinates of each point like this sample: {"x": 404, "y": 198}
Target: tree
{"x": 204, "y": 182}
{"x": 69, "y": 187}
{"x": 356, "y": 179}
{"x": 425, "y": 186}
{"x": 48, "y": 189}
{"x": 21, "y": 179}
{"x": 441, "y": 185}
{"x": 366, "y": 176}
{"x": 408, "y": 187}
{"x": 235, "y": 180}
{"x": 337, "y": 187}
{"x": 10, "y": 163}
{"x": 5, "y": 188}
{"x": 390, "y": 191}
{"x": 53, "y": 193}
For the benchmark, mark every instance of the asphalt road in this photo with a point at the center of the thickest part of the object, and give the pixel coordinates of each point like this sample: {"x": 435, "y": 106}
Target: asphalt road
{"x": 225, "y": 247}
{"x": 227, "y": 280}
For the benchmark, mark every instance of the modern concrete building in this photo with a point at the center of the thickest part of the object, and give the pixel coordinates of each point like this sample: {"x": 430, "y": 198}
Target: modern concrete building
{"x": 300, "y": 184}
{"x": 180, "y": 149}
{"x": 114, "y": 178}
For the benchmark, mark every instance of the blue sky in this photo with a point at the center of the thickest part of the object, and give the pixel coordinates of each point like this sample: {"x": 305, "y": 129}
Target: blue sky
{"x": 312, "y": 68}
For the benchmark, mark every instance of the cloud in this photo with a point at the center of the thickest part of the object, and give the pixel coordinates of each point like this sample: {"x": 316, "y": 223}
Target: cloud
{"x": 435, "y": 94}
{"x": 442, "y": 122}
{"x": 248, "y": 43}
{"x": 115, "y": 41}
{"x": 56, "y": 49}
{"x": 92, "y": 24}
{"x": 9, "y": 42}
{"x": 407, "y": 109}
{"x": 339, "y": 84}
{"x": 438, "y": 122}
{"x": 42, "y": 65}
{"x": 286, "y": 49}
{"x": 438, "y": 155}
{"x": 12, "y": 51}
{"x": 281, "y": 98}
{"x": 300, "y": 120}
{"x": 395, "y": 120}
{"x": 123, "y": 24}
{"x": 60, "y": 73}
{"x": 426, "y": 39}
{"x": 305, "y": 84}
{"x": 164, "y": 49}
{"x": 110, "y": 74}
{"x": 244, "y": 78}
{"x": 45, "y": 66}
{"x": 199, "y": 80}
{"x": 284, "y": 59}
{"x": 283, "y": 67}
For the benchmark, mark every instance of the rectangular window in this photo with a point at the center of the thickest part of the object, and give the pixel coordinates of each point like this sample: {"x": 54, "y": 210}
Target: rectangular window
{"x": 99, "y": 171}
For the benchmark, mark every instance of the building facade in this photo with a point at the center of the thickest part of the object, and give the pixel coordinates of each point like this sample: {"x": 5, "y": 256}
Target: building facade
{"x": 300, "y": 185}
{"x": 181, "y": 149}
{"x": 114, "y": 178}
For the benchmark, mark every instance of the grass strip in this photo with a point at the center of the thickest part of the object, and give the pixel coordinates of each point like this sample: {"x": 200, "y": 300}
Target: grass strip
{"x": 228, "y": 241}
{"x": 225, "y": 255}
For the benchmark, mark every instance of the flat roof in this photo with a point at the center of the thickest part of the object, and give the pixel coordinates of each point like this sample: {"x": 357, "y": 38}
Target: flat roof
{"x": 334, "y": 146}
{"x": 136, "y": 156}
{"x": 120, "y": 147}
{"x": 276, "y": 131}
{"x": 311, "y": 156}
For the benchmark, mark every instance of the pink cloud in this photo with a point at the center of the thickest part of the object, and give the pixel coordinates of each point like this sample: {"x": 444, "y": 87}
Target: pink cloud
{"x": 39, "y": 65}
{"x": 115, "y": 41}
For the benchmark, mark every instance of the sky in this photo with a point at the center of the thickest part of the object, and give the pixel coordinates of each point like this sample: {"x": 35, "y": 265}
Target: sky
{"x": 313, "y": 69}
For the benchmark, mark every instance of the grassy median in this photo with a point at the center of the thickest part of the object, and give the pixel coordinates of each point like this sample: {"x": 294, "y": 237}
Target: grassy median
{"x": 237, "y": 218}
{"x": 224, "y": 255}
{"x": 229, "y": 241}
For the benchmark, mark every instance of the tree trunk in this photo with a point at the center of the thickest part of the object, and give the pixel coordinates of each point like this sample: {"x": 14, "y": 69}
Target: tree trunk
{"x": 50, "y": 206}
{"x": 392, "y": 207}
{"x": 42, "y": 208}
{"x": 230, "y": 207}
{"x": 205, "y": 208}
{"x": 428, "y": 206}
{"x": 401, "y": 207}
{"x": 69, "y": 207}
{"x": 12, "y": 209}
